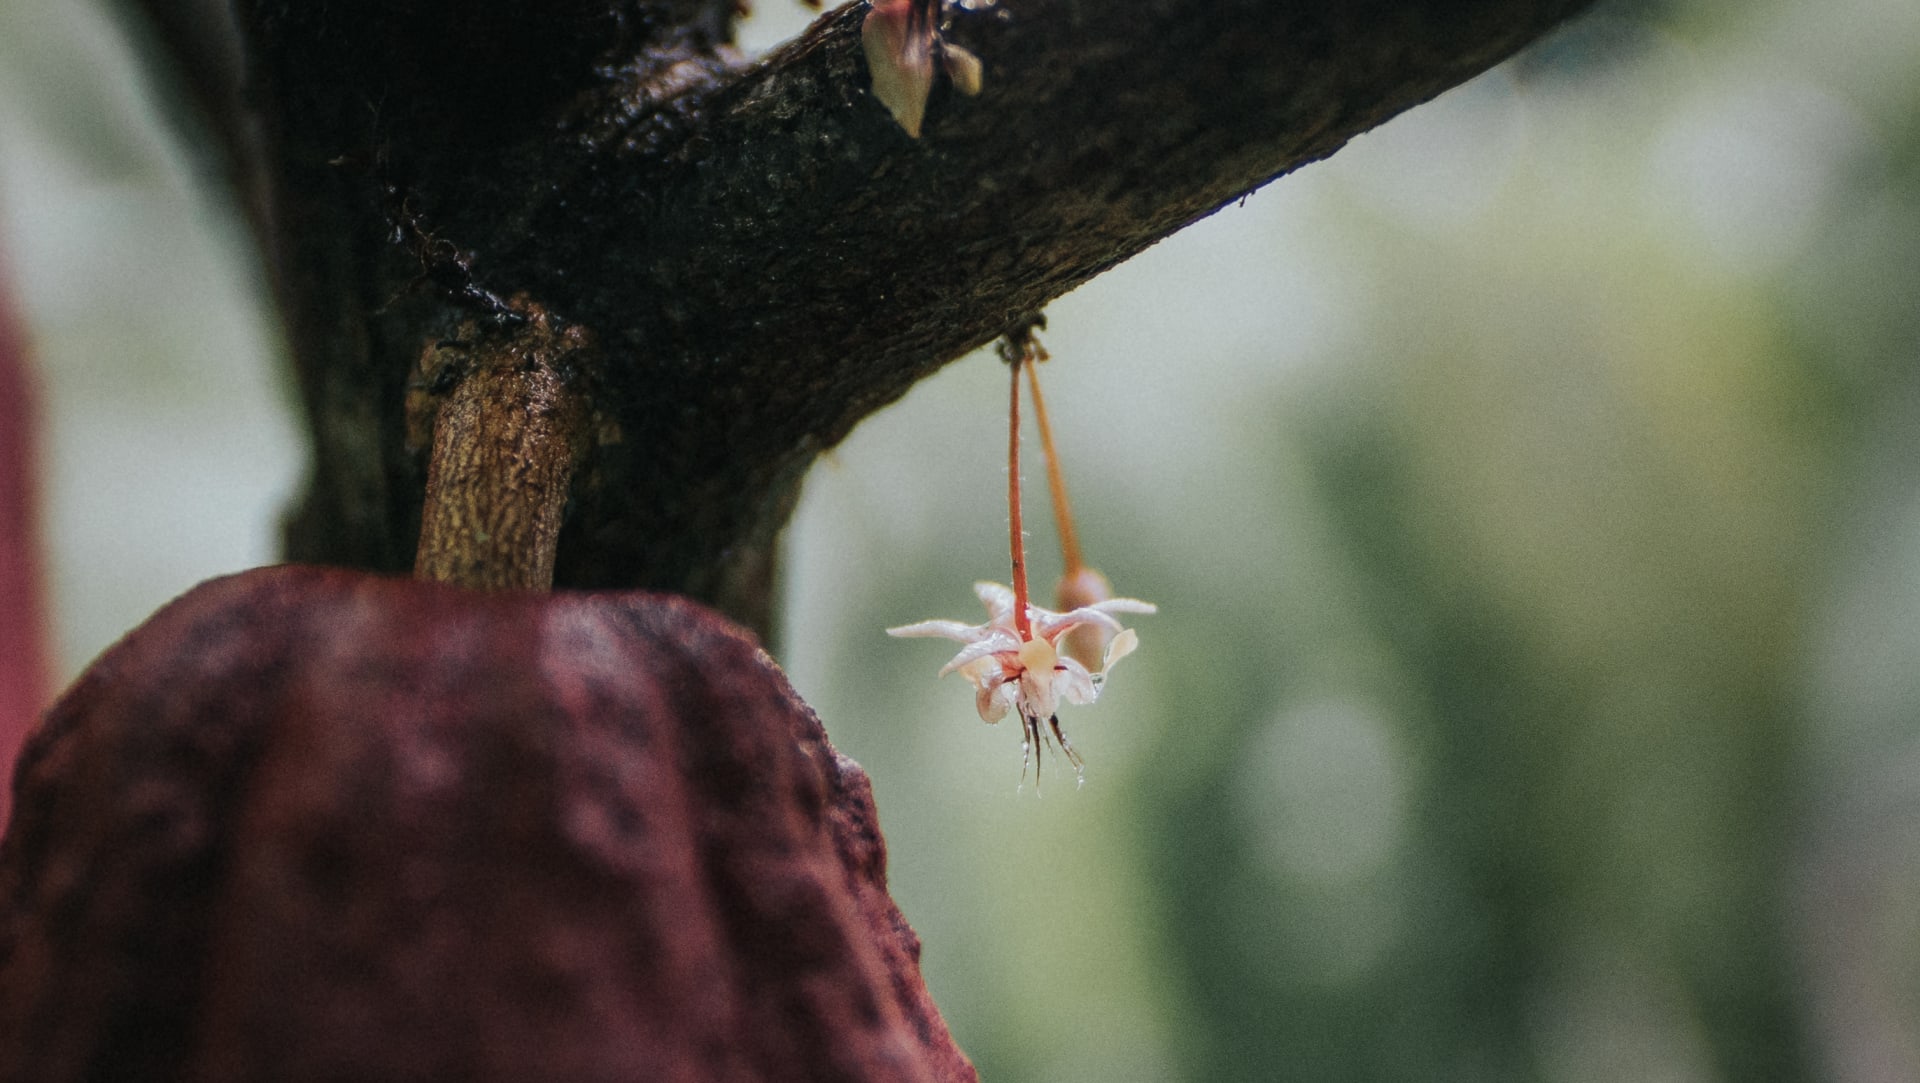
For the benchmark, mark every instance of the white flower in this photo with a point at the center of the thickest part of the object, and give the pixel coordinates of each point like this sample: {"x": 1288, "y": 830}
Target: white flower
{"x": 1032, "y": 675}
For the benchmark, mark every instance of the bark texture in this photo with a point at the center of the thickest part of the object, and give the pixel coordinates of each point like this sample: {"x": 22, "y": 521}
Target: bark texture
{"x": 505, "y": 441}
{"x": 316, "y": 825}
{"x": 763, "y": 254}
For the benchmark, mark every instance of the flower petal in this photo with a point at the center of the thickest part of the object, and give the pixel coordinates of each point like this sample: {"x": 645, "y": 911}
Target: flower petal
{"x": 984, "y": 672}
{"x": 1122, "y": 645}
{"x": 998, "y": 600}
{"x": 995, "y": 643}
{"x": 948, "y": 629}
{"x": 1050, "y": 625}
{"x": 1073, "y": 683}
{"x": 993, "y": 701}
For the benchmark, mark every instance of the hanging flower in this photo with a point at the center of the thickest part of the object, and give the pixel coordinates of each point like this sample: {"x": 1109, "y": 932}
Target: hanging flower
{"x": 1017, "y": 659}
{"x": 1030, "y": 675}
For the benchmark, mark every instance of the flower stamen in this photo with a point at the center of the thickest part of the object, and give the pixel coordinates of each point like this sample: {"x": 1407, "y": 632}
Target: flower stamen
{"x": 1066, "y": 746}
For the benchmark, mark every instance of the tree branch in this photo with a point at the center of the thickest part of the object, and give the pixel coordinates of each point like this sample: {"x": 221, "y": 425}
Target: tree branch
{"x": 506, "y": 436}
{"x": 763, "y": 254}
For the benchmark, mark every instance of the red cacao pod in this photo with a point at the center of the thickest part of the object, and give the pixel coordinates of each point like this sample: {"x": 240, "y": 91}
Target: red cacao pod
{"x": 23, "y": 653}
{"x": 310, "y": 824}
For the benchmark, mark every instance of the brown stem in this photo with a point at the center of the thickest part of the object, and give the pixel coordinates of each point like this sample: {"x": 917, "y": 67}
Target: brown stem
{"x": 1016, "y": 540}
{"x": 506, "y": 440}
{"x": 1070, "y": 559}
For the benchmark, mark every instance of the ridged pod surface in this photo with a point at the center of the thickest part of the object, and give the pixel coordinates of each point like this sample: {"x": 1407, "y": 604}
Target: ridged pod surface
{"x": 312, "y": 824}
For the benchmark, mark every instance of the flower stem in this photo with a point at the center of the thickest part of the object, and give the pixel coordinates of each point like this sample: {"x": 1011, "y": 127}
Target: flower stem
{"x": 1016, "y": 540}
{"x": 1056, "y": 481}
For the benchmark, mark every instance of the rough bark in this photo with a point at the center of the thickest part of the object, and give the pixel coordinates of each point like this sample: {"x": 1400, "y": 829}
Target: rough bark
{"x": 505, "y": 441}
{"x": 316, "y": 825}
{"x": 764, "y": 255}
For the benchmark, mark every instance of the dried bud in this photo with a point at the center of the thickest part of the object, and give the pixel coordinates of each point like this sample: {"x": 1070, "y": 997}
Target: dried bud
{"x": 1086, "y": 643}
{"x": 898, "y": 37}
{"x": 902, "y": 41}
{"x": 962, "y": 67}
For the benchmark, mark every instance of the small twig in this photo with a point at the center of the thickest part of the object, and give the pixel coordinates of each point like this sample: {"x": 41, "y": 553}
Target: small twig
{"x": 506, "y": 439}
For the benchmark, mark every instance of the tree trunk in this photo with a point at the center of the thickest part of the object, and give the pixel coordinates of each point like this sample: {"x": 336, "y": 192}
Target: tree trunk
{"x": 761, "y": 255}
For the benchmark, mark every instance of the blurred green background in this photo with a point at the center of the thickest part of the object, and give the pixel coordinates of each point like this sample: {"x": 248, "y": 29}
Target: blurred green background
{"x": 1530, "y": 494}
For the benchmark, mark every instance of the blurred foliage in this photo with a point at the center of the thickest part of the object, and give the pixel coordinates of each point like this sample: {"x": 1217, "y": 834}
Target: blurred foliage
{"x": 1502, "y": 482}
{"x": 1528, "y": 495}
{"x": 170, "y": 443}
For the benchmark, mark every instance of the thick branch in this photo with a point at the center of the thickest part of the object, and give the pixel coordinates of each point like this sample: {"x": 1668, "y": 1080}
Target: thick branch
{"x": 764, "y": 255}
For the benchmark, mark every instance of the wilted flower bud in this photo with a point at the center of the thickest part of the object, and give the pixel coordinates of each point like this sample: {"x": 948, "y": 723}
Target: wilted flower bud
{"x": 902, "y": 40}
{"x": 1083, "y": 586}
